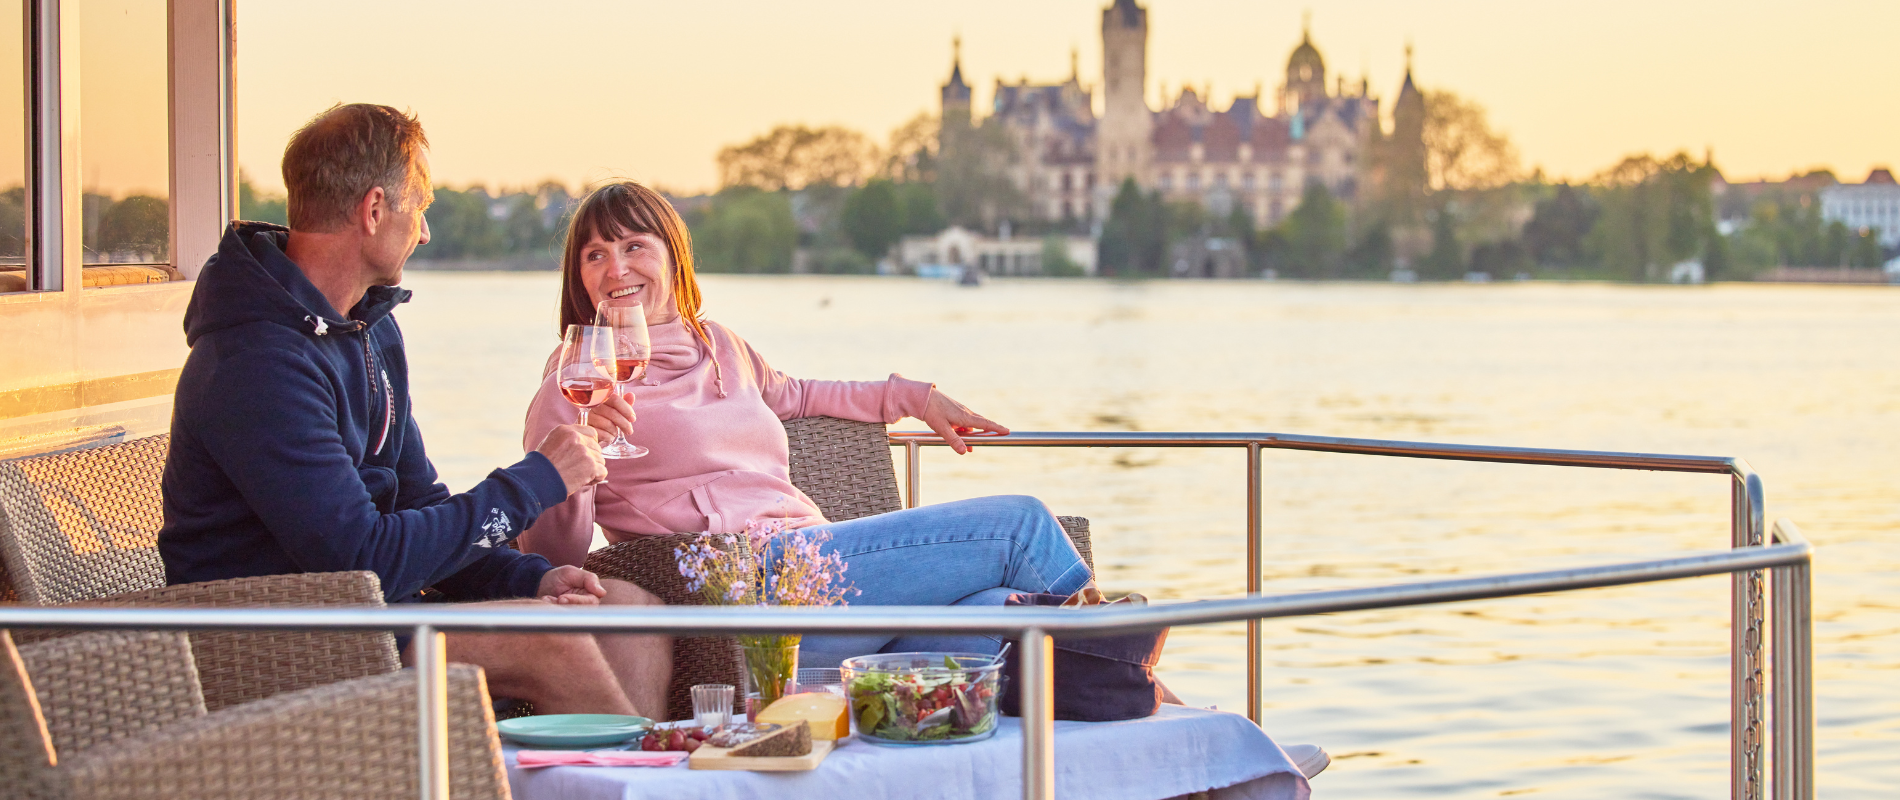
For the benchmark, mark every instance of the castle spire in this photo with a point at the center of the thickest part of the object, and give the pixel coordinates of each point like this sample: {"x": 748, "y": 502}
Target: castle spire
{"x": 955, "y": 93}
{"x": 1075, "y": 64}
{"x": 1406, "y": 85}
{"x": 956, "y": 61}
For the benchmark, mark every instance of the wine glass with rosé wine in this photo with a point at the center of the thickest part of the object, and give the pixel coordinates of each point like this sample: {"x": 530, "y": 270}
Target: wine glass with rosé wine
{"x": 632, "y": 349}
{"x": 586, "y": 373}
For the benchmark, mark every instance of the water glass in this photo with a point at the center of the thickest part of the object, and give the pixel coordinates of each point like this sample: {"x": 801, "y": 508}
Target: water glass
{"x": 712, "y": 704}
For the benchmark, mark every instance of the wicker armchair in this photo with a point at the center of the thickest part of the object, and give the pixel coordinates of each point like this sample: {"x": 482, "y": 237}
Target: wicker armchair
{"x": 119, "y": 715}
{"x": 81, "y": 528}
{"x": 83, "y": 525}
{"x": 846, "y": 468}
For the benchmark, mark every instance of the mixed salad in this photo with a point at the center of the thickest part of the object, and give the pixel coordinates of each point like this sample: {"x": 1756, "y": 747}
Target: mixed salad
{"x": 928, "y": 704}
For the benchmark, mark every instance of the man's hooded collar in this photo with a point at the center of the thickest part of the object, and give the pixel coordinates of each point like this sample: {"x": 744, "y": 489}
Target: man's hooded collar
{"x": 251, "y": 280}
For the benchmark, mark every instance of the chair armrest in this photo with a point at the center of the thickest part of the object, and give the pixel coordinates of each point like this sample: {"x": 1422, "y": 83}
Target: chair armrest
{"x": 238, "y": 667}
{"x": 99, "y": 687}
{"x": 351, "y": 741}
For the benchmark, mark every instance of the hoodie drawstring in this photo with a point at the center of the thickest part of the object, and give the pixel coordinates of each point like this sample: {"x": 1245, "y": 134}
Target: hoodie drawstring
{"x": 719, "y": 373}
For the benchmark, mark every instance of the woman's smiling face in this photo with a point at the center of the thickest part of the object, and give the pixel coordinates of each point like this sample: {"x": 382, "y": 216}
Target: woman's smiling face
{"x": 632, "y": 269}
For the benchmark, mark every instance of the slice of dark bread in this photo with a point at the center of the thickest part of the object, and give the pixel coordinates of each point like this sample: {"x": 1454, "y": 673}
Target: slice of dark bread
{"x": 791, "y": 740}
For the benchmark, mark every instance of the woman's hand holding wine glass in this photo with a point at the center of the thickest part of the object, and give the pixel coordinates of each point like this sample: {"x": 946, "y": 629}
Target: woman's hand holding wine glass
{"x": 632, "y": 349}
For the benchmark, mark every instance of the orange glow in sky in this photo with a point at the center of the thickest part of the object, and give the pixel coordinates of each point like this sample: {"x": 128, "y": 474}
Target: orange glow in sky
{"x": 514, "y": 93}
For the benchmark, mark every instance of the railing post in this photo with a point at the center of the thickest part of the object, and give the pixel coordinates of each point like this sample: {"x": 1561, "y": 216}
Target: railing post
{"x": 1038, "y": 715}
{"x": 1793, "y": 663}
{"x": 1255, "y": 662}
{"x": 1745, "y": 644}
{"x": 912, "y": 468}
{"x": 432, "y": 712}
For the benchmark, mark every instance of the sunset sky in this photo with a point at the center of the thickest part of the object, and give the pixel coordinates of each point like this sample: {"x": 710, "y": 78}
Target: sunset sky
{"x": 578, "y": 90}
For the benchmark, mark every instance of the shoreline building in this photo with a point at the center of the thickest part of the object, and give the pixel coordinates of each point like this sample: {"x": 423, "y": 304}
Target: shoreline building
{"x": 1258, "y": 154}
{"x": 1873, "y": 204}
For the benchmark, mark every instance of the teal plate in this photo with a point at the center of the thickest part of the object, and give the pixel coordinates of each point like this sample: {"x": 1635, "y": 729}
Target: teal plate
{"x": 574, "y": 730}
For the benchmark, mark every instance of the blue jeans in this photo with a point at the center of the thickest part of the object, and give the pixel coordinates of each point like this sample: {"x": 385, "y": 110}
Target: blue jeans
{"x": 970, "y": 552}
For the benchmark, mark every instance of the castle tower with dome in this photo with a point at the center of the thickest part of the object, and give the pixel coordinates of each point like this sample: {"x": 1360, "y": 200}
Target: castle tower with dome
{"x": 1258, "y": 154}
{"x": 1305, "y": 85}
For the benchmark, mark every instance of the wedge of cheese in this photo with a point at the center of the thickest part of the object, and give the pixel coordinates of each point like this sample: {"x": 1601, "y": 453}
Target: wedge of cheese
{"x": 791, "y": 740}
{"x": 829, "y": 714}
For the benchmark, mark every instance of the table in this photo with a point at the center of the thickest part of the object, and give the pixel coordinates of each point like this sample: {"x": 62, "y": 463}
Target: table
{"x": 1177, "y": 751}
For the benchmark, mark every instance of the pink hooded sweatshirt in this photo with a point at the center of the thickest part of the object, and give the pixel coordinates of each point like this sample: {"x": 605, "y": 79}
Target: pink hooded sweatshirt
{"x": 719, "y": 453}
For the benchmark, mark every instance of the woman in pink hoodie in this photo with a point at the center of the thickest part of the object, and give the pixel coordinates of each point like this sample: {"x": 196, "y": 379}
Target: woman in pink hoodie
{"x": 710, "y": 409}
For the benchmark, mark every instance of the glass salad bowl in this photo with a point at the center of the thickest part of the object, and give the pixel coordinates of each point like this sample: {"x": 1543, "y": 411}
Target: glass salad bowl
{"x": 923, "y": 698}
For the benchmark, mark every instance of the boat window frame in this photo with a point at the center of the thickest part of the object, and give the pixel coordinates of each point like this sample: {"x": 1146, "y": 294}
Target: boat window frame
{"x": 201, "y": 156}
{"x": 45, "y": 268}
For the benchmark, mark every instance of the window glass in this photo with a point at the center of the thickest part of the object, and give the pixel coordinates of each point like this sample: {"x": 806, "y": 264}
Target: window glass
{"x": 13, "y": 273}
{"x": 124, "y": 136}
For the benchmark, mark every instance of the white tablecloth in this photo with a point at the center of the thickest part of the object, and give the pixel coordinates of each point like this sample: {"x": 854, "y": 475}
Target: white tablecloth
{"x": 1177, "y": 751}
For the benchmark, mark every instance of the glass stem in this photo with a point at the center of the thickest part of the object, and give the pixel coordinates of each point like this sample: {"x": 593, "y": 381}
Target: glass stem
{"x": 620, "y": 437}
{"x": 583, "y": 416}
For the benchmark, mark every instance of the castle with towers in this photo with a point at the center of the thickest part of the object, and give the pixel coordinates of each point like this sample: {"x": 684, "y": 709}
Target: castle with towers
{"x": 1258, "y": 155}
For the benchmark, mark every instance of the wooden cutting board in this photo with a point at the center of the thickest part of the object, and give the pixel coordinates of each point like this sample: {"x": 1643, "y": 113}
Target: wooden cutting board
{"x": 719, "y": 758}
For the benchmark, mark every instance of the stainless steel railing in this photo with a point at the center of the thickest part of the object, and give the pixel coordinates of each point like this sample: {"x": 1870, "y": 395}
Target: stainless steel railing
{"x": 1792, "y": 742}
{"x": 1746, "y": 529}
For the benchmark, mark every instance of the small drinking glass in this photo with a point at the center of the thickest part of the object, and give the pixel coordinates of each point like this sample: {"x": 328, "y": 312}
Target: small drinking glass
{"x": 632, "y": 349}
{"x": 712, "y": 704}
{"x": 587, "y": 368}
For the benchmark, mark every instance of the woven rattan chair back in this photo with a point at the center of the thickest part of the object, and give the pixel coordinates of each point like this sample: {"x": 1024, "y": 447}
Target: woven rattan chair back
{"x": 26, "y": 747}
{"x": 117, "y": 714}
{"x": 62, "y": 697}
{"x": 240, "y": 666}
{"x": 843, "y": 466}
{"x": 84, "y": 524}
{"x": 103, "y": 686}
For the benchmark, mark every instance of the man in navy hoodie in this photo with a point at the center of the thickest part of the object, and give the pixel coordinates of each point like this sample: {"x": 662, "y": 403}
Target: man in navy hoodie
{"x": 293, "y": 448}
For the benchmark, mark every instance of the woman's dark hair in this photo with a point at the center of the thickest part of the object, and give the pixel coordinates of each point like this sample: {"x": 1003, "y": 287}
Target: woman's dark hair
{"x": 612, "y": 211}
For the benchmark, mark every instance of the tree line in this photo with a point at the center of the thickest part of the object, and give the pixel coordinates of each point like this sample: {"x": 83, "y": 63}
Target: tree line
{"x": 464, "y": 224}
{"x": 826, "y": 195}
{"x": 830, "y": 200}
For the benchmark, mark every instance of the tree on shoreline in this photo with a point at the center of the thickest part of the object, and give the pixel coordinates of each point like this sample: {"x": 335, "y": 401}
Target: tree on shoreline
{"x": 795, "y": 157}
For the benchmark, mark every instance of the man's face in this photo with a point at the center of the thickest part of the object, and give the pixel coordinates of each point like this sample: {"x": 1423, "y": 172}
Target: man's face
{"x": 401, "y": 230}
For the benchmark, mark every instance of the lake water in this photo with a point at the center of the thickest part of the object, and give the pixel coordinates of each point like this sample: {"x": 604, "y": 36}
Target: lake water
{"x": 1609, "y": 693}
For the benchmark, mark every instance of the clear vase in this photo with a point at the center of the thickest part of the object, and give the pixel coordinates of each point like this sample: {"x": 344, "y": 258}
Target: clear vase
{"x": 771, "y": 664}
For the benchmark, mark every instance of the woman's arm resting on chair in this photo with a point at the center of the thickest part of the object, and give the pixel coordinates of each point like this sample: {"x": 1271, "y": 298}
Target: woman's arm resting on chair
{"x": 951, "y": 419}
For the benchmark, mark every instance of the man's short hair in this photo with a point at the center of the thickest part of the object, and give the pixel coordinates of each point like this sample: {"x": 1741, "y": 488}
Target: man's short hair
{"x": 342, "y": 153}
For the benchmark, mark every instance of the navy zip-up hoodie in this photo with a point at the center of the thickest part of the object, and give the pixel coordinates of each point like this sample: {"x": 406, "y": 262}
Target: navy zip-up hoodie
{"x": 293, "y": 448}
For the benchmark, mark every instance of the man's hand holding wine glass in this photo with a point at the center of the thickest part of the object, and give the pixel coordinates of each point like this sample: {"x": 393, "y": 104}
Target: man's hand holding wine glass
{"x": 575, "y": 451}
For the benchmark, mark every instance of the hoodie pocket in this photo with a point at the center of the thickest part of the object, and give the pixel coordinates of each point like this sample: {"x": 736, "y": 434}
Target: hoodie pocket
{"x": 381, "y": 484}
